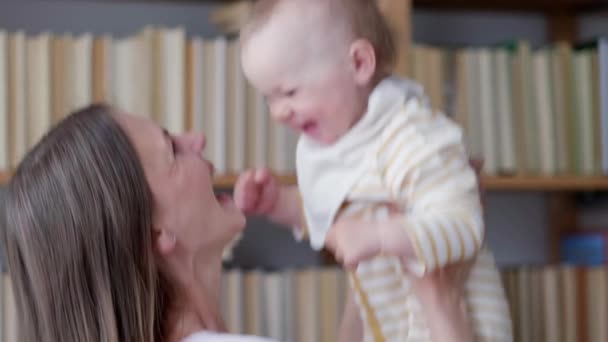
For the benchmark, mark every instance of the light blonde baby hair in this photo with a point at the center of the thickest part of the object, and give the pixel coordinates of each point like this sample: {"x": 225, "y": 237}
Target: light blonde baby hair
{"x": 363, "y": 18}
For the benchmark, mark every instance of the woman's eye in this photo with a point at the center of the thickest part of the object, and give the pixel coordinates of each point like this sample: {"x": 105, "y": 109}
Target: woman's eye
{"x": 290, "y": 92}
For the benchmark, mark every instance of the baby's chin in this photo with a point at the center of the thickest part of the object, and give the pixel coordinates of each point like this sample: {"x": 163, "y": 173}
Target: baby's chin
{"x": 323, "y": 139}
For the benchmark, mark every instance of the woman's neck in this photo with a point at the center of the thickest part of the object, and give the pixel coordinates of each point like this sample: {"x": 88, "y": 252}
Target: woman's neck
{"x": 196, "y": 304}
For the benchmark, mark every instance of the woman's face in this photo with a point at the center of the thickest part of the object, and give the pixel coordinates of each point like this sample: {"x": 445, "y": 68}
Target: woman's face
{"x": 181, "y": 183}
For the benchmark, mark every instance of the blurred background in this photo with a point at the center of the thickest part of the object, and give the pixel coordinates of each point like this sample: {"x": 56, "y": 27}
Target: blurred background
{"x": 527, "y": 80}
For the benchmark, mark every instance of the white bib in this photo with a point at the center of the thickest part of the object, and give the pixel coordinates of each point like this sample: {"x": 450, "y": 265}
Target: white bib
{"x": 326, "y": 174}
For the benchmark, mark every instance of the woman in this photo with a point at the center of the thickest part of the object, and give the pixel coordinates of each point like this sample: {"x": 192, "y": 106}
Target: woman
{"x": 114, "y": 234}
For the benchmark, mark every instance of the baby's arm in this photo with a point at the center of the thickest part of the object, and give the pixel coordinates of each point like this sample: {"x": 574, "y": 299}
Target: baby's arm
{"x": 431, "y": 172}
{"x": 288, "y": 208}
{"x": 258, "y": 192}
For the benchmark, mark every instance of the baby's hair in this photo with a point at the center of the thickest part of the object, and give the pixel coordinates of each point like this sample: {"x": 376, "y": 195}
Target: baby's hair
{"x": 362, "y": 16}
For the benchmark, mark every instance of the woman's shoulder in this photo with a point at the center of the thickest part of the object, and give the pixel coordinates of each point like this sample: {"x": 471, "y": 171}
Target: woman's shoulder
{"x": 205, "y": 336}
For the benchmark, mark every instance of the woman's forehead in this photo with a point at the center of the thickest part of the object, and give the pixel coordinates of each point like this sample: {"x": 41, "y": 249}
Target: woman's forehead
{"x": 147, "y": 138}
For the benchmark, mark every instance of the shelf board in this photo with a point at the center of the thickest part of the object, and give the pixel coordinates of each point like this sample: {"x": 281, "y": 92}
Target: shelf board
{"x": 490, "y": 183}
{"x": 515, "y": 5}
{"x": 228, "y": 181}
{"x": 545, "y": 6}
{"x": 543, "y": 183}
{"x": 495, "y": 183}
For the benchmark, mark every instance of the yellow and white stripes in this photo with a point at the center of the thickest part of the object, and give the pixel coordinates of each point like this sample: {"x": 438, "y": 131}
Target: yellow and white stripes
{"x": 422, "y": 161}
{"x": 421, "y": 166}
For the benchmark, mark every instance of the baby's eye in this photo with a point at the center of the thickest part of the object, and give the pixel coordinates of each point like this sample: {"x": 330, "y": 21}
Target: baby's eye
{"x": 290, "y": 92}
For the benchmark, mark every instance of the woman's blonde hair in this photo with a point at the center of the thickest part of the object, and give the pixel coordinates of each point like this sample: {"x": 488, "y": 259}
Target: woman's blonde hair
{"x": 78, "y": 237}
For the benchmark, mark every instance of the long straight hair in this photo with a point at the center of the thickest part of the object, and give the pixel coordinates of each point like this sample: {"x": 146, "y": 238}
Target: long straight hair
{"x": 78, "y": 237}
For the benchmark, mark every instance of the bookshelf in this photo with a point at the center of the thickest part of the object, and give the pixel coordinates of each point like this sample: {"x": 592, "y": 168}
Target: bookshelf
{"x": 493, "y": 183}
{"x": 561, "y": 191}
{"x": 578, "y": 6}
{"x": 557, "y": 184}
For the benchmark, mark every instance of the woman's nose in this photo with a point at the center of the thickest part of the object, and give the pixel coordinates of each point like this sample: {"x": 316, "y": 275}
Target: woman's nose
{"x": 194, "y": 142}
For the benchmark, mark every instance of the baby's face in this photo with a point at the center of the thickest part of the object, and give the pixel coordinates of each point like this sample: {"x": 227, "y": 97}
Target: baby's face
{"x": 306, "y": 79}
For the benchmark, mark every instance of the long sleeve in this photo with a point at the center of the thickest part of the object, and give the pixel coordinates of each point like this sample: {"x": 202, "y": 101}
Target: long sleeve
{"x": 423, "y": 162}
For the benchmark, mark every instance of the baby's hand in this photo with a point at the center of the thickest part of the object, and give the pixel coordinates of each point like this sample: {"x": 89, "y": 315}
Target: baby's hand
{"x": 353, "y": 240}
{"x": 256, "y": 192}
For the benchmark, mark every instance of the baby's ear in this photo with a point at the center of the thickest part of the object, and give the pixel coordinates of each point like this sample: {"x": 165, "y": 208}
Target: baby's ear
{"x": 363, "y": 58}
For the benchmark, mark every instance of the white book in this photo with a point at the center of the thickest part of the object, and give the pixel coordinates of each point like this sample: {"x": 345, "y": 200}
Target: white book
{"x": 254, "y": 301}
{"x": 544, "y": 111}
{"x": 474, "y": 116}
{"x": 105, "y": 72}
{"x": 234, "y": 302}
{"x": 330, "y": 309}
{"x": 603, "y": 61}
{"x": 219, "y": 111}
{"x": 83, "y": 49}
{"x": 274, "y": 308}
{"x": 487, "y": 112}
{"x": 273, "y": 145}
{"x": 173, "y": 50}
{"x": 582, "y": 67}
{"x": 58, "y": 83}
{"x": 307, "y": 306}
{"x": 525, "y": 307}
{"x": 142, "y": 56}
{"x": 38, "y": 81}
{"x": 262, "y": 126}
{"x": 69, "y": 100}
{"x": 238, "y": 105}
{"x": 596, "y": 303}
{"x": 505, "y": 115}
{"x": 122, "y": 77}
{"x": 4, "y": 119}
{"x": 559, "y": 111}
{"x": 527, "y": 102}
{"x": 282, "y": 148}
{"x": 551, "y": 300}
{"x": 209, "y": 88}
{"x": 568, "y": 292}
{"x": 17, "y": 109}
{"x": 198, "y": 85}
{"x": 289, "y": 306}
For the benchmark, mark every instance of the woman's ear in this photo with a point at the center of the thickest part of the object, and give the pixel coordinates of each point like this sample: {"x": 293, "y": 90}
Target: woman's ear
{"x": 363, "y": 58}
{"x": 165, "y": 241}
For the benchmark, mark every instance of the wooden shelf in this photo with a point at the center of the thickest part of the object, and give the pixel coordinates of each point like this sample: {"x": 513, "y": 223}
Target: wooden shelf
{"x": 229, "y": 180}
{"x": 4, "y": 177}
{"x": 545, "y": 183}
{"x": 546, "y": 6}
{"x": 491, "y": 183}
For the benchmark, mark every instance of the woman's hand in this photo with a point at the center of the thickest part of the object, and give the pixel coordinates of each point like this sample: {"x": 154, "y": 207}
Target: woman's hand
{"x": 442, "y": 296}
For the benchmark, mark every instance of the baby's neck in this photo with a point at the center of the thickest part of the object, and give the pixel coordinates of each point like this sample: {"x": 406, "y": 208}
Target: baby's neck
{"x": 365, "y": 94}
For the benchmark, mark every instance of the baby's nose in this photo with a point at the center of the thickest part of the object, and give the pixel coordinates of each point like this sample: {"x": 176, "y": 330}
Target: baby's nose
{"x": 283, "y": 114}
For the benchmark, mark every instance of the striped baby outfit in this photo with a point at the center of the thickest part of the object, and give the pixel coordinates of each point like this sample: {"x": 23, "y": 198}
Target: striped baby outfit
{"x": 404, "y": 156}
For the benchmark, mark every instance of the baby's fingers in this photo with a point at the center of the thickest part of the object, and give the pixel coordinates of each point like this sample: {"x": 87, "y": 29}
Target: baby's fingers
{"x": 246, "y": 192}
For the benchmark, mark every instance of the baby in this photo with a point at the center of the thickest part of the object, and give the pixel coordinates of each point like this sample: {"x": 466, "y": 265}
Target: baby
{"x": 383, "y": 181}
